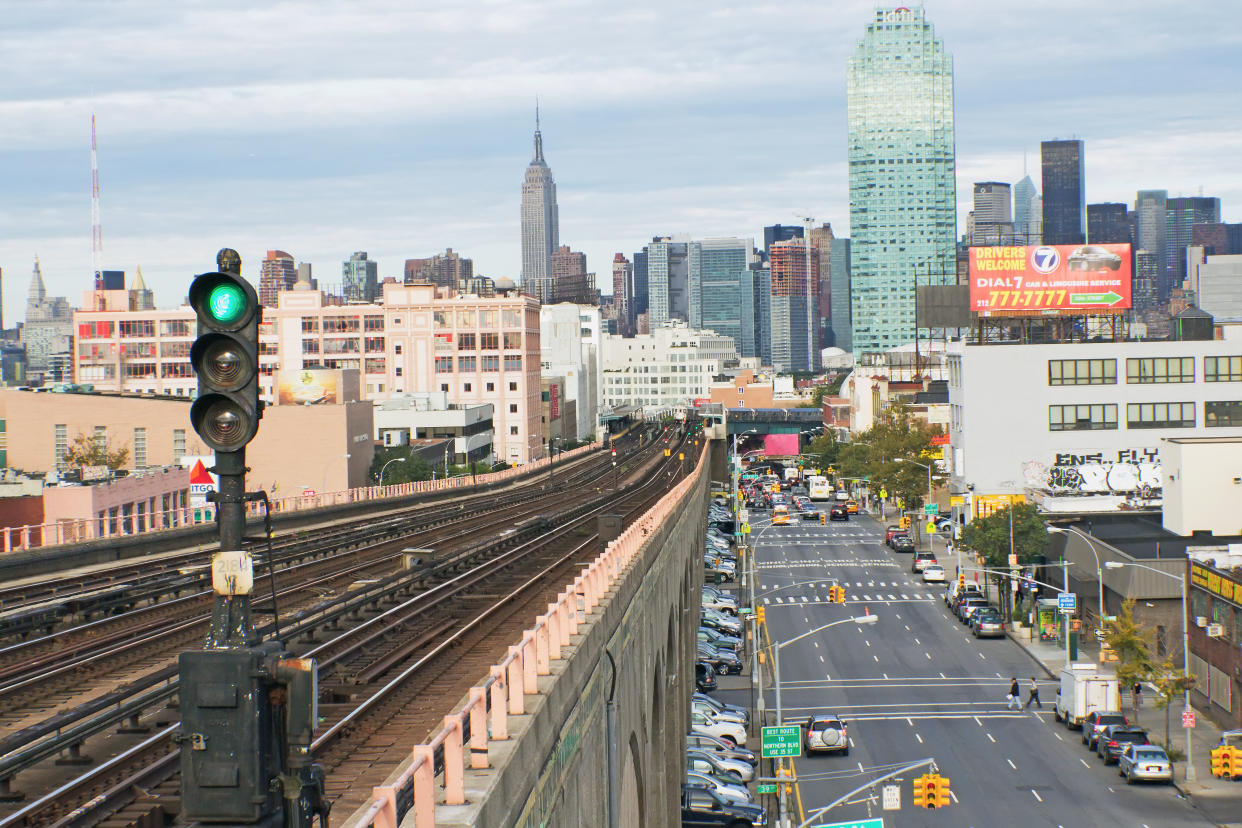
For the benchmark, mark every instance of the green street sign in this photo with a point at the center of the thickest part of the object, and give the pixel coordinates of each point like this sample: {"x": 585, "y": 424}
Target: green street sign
{"x": 1109, "y": 298}
{"x": 765, "y": 787}
{"x": 780, "y": 741}
{"x": 931, "y": 509}
{"x": 858, "y": 823}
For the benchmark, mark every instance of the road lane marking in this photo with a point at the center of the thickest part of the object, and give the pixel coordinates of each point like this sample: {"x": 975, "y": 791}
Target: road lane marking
{"x": 981, "y": 655}
{"x": 907, "y": 628}
{"x": 1058, "y": 735}
{"x": 989, "y": 735}
{"x": 909, "y": 722}
{"x": 942, "y": 675}
{"x": 821, "y": 658}
{"x": 1036, "y": 794}
{"x": 916, "y": 641}
{"x": 978, "y": 722}
{"x": 877, "y": 659}
{"x": 886, "y": 675}
{"x": 1011, "y": 764}
{"x": 816, "y": 643}
{"x": 928, "y": 656}
{"x": 868, "y": 643}
{"x": 1084, "y": 762}
{"x": 953, "y": 796}
{"x": 920, "y": 738}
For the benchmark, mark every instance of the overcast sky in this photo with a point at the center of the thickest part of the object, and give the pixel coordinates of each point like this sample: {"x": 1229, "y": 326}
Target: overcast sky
{"x": 402, "y": 127}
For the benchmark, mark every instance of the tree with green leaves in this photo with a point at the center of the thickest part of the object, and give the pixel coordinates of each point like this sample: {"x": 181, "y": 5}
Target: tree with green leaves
{"x": 414, "y": 468}
{"x": 893, "y": 454}
{"x": 1128, "y": 639}
{"x": 1019, "y": 528}
{"x": 825, "y": 449}
{"x": 88, "y": 450}
{"x": 1171, "y": 683}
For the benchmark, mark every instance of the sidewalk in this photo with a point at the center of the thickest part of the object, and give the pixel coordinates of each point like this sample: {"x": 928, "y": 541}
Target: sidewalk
{"x": 1219, "y": 799}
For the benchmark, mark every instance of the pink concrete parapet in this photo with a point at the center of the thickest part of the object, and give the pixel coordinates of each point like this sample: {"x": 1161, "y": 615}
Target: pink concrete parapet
{"x": 509, "y": 683}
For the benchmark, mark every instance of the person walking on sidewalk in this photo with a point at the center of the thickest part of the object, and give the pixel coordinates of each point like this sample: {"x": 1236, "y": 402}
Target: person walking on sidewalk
{"x": 1034, "y": 697}
{"x": 1015, "y": 695}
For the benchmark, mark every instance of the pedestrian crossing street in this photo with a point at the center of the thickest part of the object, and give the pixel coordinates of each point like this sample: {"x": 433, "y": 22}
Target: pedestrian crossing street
{"x": 885, "y": 592}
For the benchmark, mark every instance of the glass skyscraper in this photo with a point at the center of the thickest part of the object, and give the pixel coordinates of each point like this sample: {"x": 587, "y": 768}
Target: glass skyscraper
{"x": 903, "y": 212}
{"x": 717, "y": 276}
{"x": 1065, "y": 194}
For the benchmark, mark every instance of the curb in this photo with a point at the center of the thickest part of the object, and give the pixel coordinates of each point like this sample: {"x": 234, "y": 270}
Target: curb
{"x": 1009, "y": 634}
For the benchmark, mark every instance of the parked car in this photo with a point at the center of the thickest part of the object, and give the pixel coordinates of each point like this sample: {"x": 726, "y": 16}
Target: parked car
{"x": 970, "y": 606}
{"x": 702, "y": 807}
{"x": 808, "y": 512}
{"x": 933, "y": 573}
{"x": 727, "y": 731}
{"x": 726, "y": 624}
{"x": 717, "y": 704}
{"x": 704, "y": 676}
{"x": 1114, "y": 739}
{"x": 955, "y": 591}
{"x": 826, "y": 732}
{"x": 902, "y": 543}
{"x": 890, "y": 530}
{"x": 987, "y": 623}
{"x": 719, "y": 766}
{"x": 706, "y": 635}
{"x": 729, "y": 789}
{"x": 838, "y": 512}
{"x": 1096, "y": 721}
{"x": 724, "y": 661}
{"x": 711, "y": 744}
{"x": 922, "y": 559}
{"x": 1144, "y": 763}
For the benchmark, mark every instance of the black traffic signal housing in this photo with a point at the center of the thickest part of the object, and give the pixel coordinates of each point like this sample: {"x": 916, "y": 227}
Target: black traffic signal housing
{"x": 225, "y": 357}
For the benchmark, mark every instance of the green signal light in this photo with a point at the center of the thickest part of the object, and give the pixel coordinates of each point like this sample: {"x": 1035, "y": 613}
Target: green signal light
{"x": 226, "y": 303}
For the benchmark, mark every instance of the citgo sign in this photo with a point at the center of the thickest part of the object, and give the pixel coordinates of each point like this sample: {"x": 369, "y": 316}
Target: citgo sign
{"x": 1050, "y": 279}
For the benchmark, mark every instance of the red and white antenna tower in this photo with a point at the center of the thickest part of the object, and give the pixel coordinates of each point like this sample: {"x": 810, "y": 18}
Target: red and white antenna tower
{"x": 96, "y": 227}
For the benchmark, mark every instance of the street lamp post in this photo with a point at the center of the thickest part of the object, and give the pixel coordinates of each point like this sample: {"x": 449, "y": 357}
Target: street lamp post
{"x": 386, "y": 465}
{"x": 1099, "y": 572}
{"x": 930, "y": 541}
{"x": 776, "y": 678}
{"x": 1191, "y": 775}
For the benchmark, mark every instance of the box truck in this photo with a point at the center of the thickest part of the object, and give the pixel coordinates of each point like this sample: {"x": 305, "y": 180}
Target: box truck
{"x": 1085, "y": 686}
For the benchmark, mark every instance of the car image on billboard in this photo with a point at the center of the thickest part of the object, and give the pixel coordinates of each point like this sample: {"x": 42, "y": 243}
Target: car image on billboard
{"x": 1050, "y": 279}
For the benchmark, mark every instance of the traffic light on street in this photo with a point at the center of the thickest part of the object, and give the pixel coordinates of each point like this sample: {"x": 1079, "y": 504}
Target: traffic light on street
{"x": 761, "y": 614}
{"x": 836, "y": 594}
{"x": 961, "y": 580}
{"x": 226, "y": 359}
{"x": 1225, "y": 761}
{"x": 931, "y": 790}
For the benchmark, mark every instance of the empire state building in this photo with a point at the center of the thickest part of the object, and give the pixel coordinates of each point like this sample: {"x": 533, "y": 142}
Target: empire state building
{"x": 540, "y": 224}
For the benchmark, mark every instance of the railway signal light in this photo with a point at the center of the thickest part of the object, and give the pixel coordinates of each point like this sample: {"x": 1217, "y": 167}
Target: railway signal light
{"x": 226, "y": 357}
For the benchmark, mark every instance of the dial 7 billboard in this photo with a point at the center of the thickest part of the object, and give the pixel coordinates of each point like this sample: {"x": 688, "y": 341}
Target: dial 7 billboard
{"x": 1050, "y": 279}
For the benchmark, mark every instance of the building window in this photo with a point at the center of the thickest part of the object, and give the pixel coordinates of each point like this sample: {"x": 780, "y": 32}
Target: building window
{"x": 373, "y": 344}
{"x": 175, "y": 327}
{"x": 511, "y": 318}
{"x": 373, "y": 323}
{"x": 465, "y": 342}
{"x": 1082, "y": 372}
{"x": 1218, "y": 414}
{"x": 512, "y": 408}
{"x": 310, "y": 346}
{"x": 1160, "y": 369}
{"x": 178, "y": 444}
{"x": 1160, "y": 415}
{"x": 466, "y": 364}
{"x": 513, "y": 386}
{"x": 513, "y": 430}
{"x": 62, "y": 443}
{"x": 397, "y": 370}
{"x": 396, "y": 349}
{"x": 491, "y": 363}
{"x": 489, "y": 341}
{"x": 513, "y": 362}
{"x": 1222, "y": 369}
{"x": 444, "y": 387}
{"x": 467, "y": 387}
{"x": 513, "y": 342}
{"x": 491, "y": 386}
{"x": 140, "y": 448}
{"x": 444, "y": 365}
{"x": 310, "y": 324}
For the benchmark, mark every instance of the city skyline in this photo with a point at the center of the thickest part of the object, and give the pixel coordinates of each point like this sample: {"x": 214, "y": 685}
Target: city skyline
{"x": 262, "y": 153}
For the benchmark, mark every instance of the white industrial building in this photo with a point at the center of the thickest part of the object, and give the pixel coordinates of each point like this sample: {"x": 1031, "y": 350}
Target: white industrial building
{"x": 1080, "y": 426}
{"x": 668, "y": 368}
{"x": 569, "y": 347}
{"x": 424, "y": 415}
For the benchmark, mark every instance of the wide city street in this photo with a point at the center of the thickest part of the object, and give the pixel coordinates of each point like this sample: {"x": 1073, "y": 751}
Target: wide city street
{"x": 915, "y": 684}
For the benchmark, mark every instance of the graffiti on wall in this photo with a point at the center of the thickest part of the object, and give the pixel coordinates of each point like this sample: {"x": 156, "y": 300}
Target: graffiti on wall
{"x": 1127, "y": 471}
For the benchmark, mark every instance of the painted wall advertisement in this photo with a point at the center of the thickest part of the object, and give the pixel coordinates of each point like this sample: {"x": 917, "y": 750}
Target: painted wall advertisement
{"x": 1050, "y": 279}
{"x": 1131, "y": 471}
{"x": 308, "y": 387}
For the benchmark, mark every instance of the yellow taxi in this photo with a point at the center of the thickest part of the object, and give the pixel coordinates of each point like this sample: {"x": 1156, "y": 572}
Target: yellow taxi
{"x": 780, "y": 514}
{"x": 851, "y": 506}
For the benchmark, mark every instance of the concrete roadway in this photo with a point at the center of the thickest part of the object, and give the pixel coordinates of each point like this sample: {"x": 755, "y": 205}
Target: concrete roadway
{"x": 917, "y": 685}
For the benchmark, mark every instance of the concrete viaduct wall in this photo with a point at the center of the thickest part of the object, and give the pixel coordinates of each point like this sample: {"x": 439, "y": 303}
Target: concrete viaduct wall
{"x": 553, "y": 771}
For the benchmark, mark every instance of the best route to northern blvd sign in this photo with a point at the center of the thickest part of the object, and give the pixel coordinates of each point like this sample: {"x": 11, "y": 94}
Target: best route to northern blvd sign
{"x": 780, "y": 741}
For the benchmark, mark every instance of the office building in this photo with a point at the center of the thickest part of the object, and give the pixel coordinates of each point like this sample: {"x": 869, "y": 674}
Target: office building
{"x": 839, "y": 267}
{"x": 569, "y": 342}
{"x": 1151, "y": 234}
{"x": 570, "y": 280}
{"x": 1217, "y": 282}
{"x": 991, "y": 220}
{"x": 276, "y": 273}
{"x": 821, "y": 239}
{"x": 667, "y": 283}
{"x": 359, "y": 278}
{"x": 1064, "y": 192}
{"x": 666, "y": 369}
{"x": 1028, "y": 219}
{"x": 779, "y": 232}
{"x": 447, "y": 269}
{"x": 623, "y": 294}
{"x": 1108, "y": 223}
{"x": 1183, "y": 214}
{"x": 795, "y": 330}
{"x": 903, "y": 219}
{"x": 1217, "y": 238}
{"x": 48, "y": 331}
{"x": 716, "y": 278}
{"x": 540, "y": 224}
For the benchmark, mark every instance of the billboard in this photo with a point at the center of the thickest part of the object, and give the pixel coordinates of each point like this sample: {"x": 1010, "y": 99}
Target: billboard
{"x": 1050, "y": 279}
{"x": 780, "y": 445}
{"x": 311, "y": 386}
